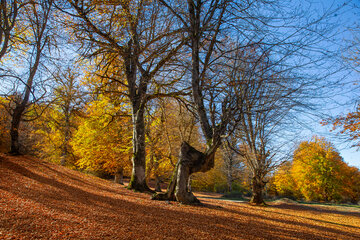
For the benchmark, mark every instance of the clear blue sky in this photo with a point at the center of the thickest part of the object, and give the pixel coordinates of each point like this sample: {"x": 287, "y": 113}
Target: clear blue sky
{"x": 343, "y": 97}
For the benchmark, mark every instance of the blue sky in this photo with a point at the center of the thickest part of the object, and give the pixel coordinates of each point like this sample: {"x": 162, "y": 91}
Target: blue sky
{"x": 341, "y": 98}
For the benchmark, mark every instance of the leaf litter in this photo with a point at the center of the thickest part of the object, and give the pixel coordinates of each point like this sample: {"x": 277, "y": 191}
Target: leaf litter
{"x": 41, "y": 200}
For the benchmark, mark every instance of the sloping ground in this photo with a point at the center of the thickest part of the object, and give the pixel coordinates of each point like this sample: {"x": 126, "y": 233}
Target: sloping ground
{"x": 40, "y": 200}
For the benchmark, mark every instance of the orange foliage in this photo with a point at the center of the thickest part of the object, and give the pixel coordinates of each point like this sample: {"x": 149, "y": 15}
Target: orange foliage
{"x": 349, "y": 125}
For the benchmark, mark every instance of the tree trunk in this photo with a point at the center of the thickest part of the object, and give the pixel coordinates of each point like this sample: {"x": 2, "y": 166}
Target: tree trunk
{"x": 229, "y": 182}
{"x": 67, "y": 137}
{"x": 157, "y": 184}
{"x": 119, "y": 176}
{"x": 21, "y": 105}
{"x": 169, "y": 195}
{"x": 189, "y": 183}
{"x": 190, "y": 161}
{"x": 229, "y": 176}
{"x": 258, "y": 185}
{"x": 14, "y": 130}
{"x": 138, "y": 176}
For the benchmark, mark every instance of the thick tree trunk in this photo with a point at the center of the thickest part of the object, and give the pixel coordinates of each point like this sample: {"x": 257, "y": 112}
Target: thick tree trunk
{"x": 14, "y": 130}
{"x": 258, "y": 186}
{"x": 119, "y": 176}
{"x": 138, "y": 177}
{"x": 189, "y": 183}
{"x": 190, "y": 161}
{"x": 182, "y": 192}
{"x": 21, "y": 105}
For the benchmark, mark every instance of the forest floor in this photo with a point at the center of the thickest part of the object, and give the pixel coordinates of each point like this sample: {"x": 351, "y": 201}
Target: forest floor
{"x": 41, "y": 200}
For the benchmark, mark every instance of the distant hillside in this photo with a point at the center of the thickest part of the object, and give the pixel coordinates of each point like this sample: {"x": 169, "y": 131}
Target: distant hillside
{"x": 41, "y": 200}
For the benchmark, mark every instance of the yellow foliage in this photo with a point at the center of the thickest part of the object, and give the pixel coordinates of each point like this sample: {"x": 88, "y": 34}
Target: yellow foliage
{"x": 283, "y": 181}
{"x": 318, "y": 173}
{"x": 316, "y": 170}
{"x": 213, "y": 180}
{"x": 103, "y": 141}
{"x": 4, "y": 126}
{"x": 167, "y": 127}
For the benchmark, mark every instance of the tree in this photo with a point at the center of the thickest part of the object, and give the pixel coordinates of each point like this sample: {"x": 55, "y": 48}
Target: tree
{"x": 267, "y": 102}
{"x": 4, "y": 126}
{"x": 168, "y": 122}
{"x": 317, "y": 170}
{"x": 103, "y": 139}
{"x": 284, "y": 182}
{"x": 202, "y": 21}
{"x": 233, "y": 165}
{"x": 36, "y": 41}
{"x": 351, "y": 184}
{"x": 9, "y": 11}
{"x": 215, "y": 70}
{"x": 131, "y": 41}
{"x": 59, "y": 120}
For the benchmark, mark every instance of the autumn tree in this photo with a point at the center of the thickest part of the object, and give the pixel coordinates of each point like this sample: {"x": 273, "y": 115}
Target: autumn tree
{"x": 103, "y": 139}
{"x": 283, "y": 181}
{"x": 203, "y": 21}
{"x": 233, "y": 163}
{"x": 317, "y": 170}
{"x": 131, "y": 41}
{"x": 20, "y": 84}
{"x": 59, "y": 120}
{"x": 214, "y": 180}
{"x": 68, "y": 99}
{"x": 351, "y": 184}
{"x": 4, "y": 126}
{"x": 168, "y": 122}
{"x": 9, "y": 11}
{"x": 216, "y": 29}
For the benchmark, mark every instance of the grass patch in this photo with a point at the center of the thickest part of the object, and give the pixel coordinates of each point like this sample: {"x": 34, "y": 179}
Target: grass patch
{"x": 235, "y": 196}
{"x": 330, "y": 204}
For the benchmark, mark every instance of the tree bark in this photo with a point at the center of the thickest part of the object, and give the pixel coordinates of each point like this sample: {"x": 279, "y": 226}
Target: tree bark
{"x": 8, "y": 20}
{"x": 119, "y": 176}
{"x": 67, "y": 136}
{"x": 258, "y": 186}
{"x": 14, "y": 130}
{"x": 138, "y": 177}
{"x": 190, "y": 161}
{"x": 229, "y": 181}
{"x": 157, "y": 184}
{"x": 40, "y": 42}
